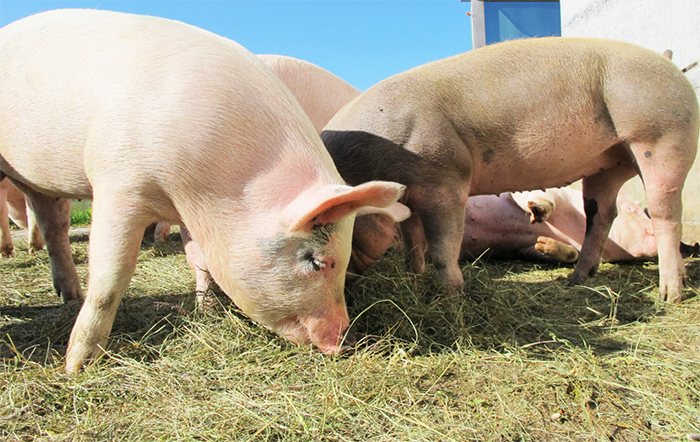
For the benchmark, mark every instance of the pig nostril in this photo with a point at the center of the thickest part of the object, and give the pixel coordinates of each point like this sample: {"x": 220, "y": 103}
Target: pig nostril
{"x": 349, "y": 339}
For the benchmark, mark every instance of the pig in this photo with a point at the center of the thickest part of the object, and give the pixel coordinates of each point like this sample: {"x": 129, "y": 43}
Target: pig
{"x": 154, "y": 120}
{"x": 541, "y": 226}
{"x": 550, "y": 226}
{"x": 320, "y": 93}
{"x": 14, "y": 207}
{"x": 524, "y": 115}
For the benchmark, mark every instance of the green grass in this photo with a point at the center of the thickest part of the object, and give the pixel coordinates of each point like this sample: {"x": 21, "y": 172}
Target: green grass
{"x": 81, "y": 213}
{"x": 518, "y": 356}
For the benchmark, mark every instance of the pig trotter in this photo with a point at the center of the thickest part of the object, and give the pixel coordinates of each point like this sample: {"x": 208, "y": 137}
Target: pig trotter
{"x": 578, "y": 277}
{"x": 556, "y": 250}
{"x": 7, "y": 251}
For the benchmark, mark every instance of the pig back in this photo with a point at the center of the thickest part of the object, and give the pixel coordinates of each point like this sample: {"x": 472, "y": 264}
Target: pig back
{"x": 127, "y": 96}
{"x": 555, "y": 105}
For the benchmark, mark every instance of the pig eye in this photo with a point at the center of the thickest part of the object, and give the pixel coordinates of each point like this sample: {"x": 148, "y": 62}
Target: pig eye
{"x": 318, "y": 265}
{"x": 315, "y": 263}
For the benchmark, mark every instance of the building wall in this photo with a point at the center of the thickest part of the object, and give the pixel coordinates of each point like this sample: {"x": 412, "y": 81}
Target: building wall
{"x": 658, "y": 25}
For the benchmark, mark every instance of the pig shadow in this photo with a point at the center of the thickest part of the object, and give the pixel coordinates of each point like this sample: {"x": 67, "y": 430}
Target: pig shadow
{"x": 39, "y": 328}
{"x": 367, "y": 157}
{"x": 506, "y": 305}
{"x": 41, "y": 333}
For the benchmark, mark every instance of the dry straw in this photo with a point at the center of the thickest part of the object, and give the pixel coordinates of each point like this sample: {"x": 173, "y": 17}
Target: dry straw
{"x": 518, "y": 356}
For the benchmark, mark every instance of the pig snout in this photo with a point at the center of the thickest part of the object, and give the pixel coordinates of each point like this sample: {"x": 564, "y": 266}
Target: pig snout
{"x": 329, "y": 331}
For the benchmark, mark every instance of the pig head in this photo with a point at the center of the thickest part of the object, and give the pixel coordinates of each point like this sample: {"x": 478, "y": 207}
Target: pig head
{"x": 158, "y": 120}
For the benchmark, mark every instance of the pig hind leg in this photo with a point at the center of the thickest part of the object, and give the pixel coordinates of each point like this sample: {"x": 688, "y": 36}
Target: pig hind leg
{"x": 599, "y": 202}
{"x": 115, "y": 239}
{"x": 53, "y": 216}
{"x": 663, "y": 168}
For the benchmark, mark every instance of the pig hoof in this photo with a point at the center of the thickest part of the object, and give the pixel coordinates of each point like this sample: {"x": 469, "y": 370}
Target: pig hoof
{"x": 556, "y": 250}
{"x": 539, "y": 212}
{"x": 452, "y": 279}
{"x": 579, "y": 276}
{"x": 7, "y": 252}
{"x": 34, "y": 248}
{"x": 69, "y": 294}
{"x": 206, "y": 302}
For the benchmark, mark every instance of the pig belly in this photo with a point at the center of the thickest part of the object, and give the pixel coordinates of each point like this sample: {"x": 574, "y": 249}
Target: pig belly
{"x": 546, "y": 153}
{"x": 499, "y": 228}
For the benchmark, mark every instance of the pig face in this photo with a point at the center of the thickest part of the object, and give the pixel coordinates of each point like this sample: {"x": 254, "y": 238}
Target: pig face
{"x": 308, "y": 268}
{"x": 633, "y": 230}
{"x": 291, "y": 273}
{"x": 375, "y": 235}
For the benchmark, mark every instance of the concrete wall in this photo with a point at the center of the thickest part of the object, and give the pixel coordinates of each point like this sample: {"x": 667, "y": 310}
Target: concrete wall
{"x": 658, "y": 25}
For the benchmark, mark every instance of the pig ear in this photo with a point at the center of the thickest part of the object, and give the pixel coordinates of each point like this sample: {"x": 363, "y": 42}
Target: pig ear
{"x": 328, "y": 204}
{"x": 397, "y": 212}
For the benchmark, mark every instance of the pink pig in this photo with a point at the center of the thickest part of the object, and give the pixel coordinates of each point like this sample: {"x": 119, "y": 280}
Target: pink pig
{"x": 522, "y": 115}
{"x": 550, "y": 226}
{"x": 320, "y": 93}
{"x": 158, "y": 120}
{"x": 539, "y": 226}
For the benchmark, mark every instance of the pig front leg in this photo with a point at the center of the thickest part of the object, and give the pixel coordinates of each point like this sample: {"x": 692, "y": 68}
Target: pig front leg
{"x": 442, "y": 215}
{"x": 114, "y": 246}
{"x": 6, "y": 246}
{"x": 53, "y": 217}
{"x": 599, "y": 203}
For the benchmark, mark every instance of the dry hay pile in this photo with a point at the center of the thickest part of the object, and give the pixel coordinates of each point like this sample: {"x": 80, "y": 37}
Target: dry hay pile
{"x": 518, "y": 356}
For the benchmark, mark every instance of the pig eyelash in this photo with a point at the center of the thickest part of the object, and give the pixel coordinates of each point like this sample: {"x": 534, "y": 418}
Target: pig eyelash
{"x": 318, "y": 265}
{"x": 313, "y": 262}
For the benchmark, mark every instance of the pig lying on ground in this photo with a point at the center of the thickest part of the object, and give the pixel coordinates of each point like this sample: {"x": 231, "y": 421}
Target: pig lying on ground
{"x": 550, "y": 226}
{"x": 320, "y": 93}
{"x": 536, "y": 226}
{"x": 158, "y": 120}
{"x": 14, "y": 207}
{"x": 522, "y": 115}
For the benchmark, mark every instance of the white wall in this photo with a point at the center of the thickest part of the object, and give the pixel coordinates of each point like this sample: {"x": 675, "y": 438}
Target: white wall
{"x": 658, "y": 25}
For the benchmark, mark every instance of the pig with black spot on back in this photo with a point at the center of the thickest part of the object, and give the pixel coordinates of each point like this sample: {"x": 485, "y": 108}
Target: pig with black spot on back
{"x": 158, "y": 120}
{"x": 524, "y": 115}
